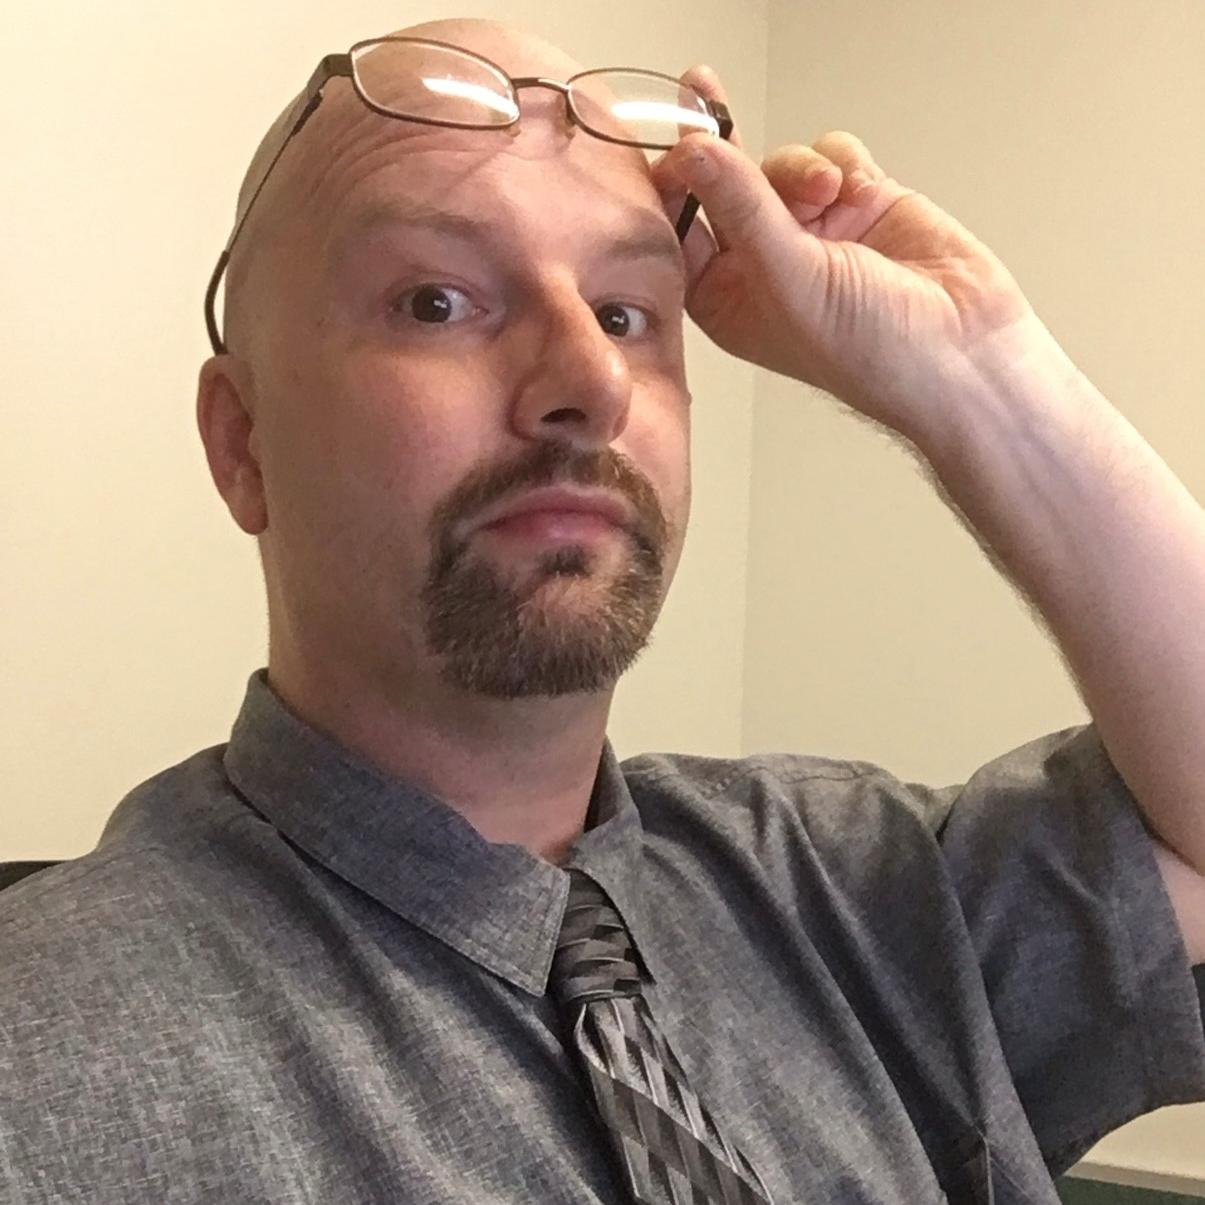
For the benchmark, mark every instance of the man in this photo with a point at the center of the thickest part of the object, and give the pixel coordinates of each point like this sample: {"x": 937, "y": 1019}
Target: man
{"x": 337, "y": 958}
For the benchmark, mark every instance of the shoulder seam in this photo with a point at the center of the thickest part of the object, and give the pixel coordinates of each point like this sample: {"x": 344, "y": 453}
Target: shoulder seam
{"x": 744, "y": 769}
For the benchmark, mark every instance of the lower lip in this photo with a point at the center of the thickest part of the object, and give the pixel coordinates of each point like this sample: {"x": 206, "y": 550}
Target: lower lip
{"x": 553, "y": 525}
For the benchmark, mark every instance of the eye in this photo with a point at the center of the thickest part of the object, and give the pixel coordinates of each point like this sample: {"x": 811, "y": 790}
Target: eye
{"x": 433, "y": 305}
{"x": 614, "y": 318}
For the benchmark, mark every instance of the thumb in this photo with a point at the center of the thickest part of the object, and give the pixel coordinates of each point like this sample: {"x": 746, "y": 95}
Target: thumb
{"x": 742, "y": 207}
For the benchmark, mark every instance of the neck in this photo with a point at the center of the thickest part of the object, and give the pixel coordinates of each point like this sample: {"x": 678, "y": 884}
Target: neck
{"x": 520, "y": 771}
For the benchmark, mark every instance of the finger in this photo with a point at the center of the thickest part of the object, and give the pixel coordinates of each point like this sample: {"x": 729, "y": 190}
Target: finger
{"x": 806, "y": 180}
{"x": 740, "y": 203}
{"x": 706, "y": 82}
{"x": 699, "y": 245}
{"x": 861, "y": 174}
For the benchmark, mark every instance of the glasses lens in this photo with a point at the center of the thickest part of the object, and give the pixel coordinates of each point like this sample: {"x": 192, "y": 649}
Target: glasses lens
{"x": 439, "y": 83}
{"x": 642, "y": 108}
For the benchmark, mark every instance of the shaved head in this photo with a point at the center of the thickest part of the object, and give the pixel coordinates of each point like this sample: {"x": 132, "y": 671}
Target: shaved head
{"x": 516, "y": 51}
{"x": 425, "y": 321}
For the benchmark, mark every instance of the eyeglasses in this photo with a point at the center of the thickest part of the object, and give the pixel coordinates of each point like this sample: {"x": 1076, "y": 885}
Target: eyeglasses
{"x": 438, "y": 84}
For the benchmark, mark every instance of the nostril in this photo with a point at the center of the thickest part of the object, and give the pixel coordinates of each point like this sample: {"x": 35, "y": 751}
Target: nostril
{"x": 560, "y": 416}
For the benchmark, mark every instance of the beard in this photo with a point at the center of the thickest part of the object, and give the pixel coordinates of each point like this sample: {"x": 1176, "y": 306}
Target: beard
{"x": 563, "y": 629}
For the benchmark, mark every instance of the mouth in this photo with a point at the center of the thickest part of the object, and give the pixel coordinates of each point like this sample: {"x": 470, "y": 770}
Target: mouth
{"x": 553, "y": 526}
{"x": 559, "y": 512}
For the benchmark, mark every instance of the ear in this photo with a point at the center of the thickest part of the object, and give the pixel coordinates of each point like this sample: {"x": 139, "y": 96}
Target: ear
{"x": 227, "y": 427}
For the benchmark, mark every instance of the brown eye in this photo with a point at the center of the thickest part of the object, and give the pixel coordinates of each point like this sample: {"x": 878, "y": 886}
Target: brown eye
{"x": 614, "y": 319}
{"x": 433, "y": 304}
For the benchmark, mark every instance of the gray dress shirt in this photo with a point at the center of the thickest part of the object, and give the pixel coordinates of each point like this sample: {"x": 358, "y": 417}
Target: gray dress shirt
{"x": 284, "y": 976}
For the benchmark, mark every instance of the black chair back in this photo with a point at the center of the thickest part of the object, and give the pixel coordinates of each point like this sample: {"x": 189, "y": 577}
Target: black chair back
{"x": 12, "y": 872}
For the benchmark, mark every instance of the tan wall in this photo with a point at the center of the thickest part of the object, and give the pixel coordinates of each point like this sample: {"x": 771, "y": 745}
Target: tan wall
{"x": 1069, "y": 137}
{"x": 133, "y": 605}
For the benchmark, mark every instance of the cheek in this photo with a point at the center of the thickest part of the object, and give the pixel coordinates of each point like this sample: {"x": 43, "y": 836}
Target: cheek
{"x": 431, "y": 410}
{"x": 373, "y": 450}
{"x": 659, "y": 446}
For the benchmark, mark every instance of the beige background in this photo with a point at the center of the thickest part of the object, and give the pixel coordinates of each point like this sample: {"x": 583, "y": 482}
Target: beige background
{"x": 827, "y": 602}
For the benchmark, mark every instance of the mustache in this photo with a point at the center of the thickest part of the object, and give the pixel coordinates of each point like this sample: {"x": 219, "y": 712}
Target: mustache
{"x": 552, "y": 463}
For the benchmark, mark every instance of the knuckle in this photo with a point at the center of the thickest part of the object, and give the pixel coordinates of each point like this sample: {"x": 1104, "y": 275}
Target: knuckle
{"x": 849, "y": 152}
{"x": 795, "y": 164}
{"x": 842, "y": 140}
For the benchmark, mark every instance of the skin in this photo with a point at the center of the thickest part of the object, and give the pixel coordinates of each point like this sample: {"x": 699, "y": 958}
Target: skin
{"x": 360, "y": 446}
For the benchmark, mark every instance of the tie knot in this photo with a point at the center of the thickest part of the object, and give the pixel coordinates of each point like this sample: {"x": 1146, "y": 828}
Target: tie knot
{"x": 594, "y": 958}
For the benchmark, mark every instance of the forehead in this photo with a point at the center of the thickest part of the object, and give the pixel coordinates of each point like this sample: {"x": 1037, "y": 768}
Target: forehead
{"x": 355, "y": 161}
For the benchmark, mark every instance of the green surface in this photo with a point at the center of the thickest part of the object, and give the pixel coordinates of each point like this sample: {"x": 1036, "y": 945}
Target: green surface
{"x": 1074, "y": 1191}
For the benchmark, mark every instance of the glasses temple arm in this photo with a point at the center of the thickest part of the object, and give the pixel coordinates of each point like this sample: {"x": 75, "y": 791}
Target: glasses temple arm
{"x": 724, "y": 119}
{"x": 331, "y": 65}
{"x": 686, "y": 217}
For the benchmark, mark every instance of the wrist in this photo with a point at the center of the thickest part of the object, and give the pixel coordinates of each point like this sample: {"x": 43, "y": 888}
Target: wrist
{"x": 1016, "y": 387}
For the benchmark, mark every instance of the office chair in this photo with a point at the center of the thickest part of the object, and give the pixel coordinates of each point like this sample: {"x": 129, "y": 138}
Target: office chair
{"x": 12, "y": 872}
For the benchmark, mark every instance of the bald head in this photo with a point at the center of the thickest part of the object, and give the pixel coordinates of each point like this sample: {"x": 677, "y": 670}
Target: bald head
{"x": 517, "y": 51}
{"x": 424, "y": 320}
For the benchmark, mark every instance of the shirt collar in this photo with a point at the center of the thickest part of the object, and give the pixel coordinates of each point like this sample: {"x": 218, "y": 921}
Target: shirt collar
{"x": 496, "y": 903}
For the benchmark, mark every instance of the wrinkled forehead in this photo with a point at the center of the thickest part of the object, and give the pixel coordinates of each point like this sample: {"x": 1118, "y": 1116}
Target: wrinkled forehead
{"x": 348, "y": 148}
{"x": 515, "y": 52}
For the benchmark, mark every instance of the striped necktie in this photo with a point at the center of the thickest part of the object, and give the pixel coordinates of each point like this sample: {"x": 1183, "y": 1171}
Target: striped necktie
{"x": 669, "y": 1147}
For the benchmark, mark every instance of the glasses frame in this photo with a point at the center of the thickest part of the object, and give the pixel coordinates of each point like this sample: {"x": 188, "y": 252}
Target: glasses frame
{"x": 333, "y": 66}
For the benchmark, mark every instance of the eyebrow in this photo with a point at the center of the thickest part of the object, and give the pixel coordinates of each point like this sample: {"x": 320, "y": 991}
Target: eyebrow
{"x": 645, "y": 237}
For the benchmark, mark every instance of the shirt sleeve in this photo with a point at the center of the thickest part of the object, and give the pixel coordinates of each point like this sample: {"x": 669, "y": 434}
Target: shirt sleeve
{"x": 1099, "y": 1013}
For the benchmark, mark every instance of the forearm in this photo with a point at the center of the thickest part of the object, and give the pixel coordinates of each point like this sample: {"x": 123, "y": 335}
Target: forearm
{"x": 1109, "y": 546}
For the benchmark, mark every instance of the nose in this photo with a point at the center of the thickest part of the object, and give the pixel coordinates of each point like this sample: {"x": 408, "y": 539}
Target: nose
{"x": 574, "y": 382}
